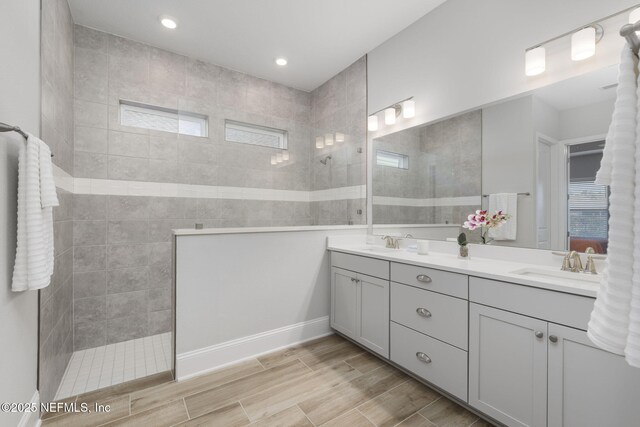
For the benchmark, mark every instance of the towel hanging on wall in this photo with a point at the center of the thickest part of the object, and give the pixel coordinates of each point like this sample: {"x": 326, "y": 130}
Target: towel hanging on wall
{"x": 36, "y": 198}
{"x": 507, "y": 203}
{"x": 615, "y": 320}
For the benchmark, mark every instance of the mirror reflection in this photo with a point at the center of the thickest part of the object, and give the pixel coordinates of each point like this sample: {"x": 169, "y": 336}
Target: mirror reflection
{"x": 509, "y": 157}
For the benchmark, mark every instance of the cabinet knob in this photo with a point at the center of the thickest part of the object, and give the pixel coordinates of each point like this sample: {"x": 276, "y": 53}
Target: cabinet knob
{"x": 539, "y": 334}
{"x": 553, "y": 338}
{"x": 423, "y": 312}
{"x": 353, "y": 279}
{"x": 423, "y": 278}
{"x": 423, "y": 357}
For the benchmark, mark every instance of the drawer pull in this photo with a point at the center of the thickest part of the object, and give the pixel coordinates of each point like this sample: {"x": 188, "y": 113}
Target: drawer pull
{"x": 539, "y": 334}
{"x": 423, "y": 278}
{"x": 553, "y": 338}
{"x": 423, "y": 357}
{"x": 423, "y": 312}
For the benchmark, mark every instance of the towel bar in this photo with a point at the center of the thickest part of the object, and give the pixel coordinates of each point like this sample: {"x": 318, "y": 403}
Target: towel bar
{"x": 8, "y": 128}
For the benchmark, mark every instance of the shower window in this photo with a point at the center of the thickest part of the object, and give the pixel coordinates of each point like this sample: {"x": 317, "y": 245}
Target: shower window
{"x": 246, "y": 133}
{"x": 394, "y": 160}
{"x": 162, "y": 119}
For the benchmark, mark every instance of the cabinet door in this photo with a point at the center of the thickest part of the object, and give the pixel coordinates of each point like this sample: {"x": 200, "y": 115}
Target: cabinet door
{"x": 373, "y": 314}
{"x": 587, "y": 385}
{"x": 508, "y": 366}
{"x": 343, "y": 301}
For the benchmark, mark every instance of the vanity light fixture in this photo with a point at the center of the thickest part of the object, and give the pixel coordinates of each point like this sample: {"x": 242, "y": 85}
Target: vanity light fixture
{"x": 168, "y": 22}
{"x": 319, "y": 142}
{"x": 583, "y": 44}
{"x": 406, "y": 107}
{"x": 390, "y": 116}
{"x": 409, "y": 109}
{"x": 285, "y": 155}
{"x": 372, "y": 123}
{"x": 535, "y": 61}
{"x": 274, "y": 160}
{"x": 281, "y": 61}
{"x": 328, "y": 139}
{"x": 339, "y": 137}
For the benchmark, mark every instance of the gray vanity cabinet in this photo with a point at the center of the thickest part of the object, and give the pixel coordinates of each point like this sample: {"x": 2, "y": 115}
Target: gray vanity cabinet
{"x": 360, "y": 301}
{"x": 343, "y": 301}
{"x": 587, "y": 385}
{"x": 508, "y": 366}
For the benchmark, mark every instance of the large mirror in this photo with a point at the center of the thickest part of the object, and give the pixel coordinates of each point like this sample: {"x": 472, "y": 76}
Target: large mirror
{"x": 534, "y": 156}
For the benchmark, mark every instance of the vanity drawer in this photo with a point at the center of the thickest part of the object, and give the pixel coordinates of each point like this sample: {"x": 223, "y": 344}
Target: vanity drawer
{"x": 557, "y": 307}
{"x": 434, "y": 280}
{"x": 441, "y": 364}
{"x": 440, "y": 316}
{"x": 360, "y": 264}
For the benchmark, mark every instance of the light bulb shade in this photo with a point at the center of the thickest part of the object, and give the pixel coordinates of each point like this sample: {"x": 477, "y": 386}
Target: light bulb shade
{"x": 279, "y": 158}
{"x": 390, "y": 116}
{"x": 319, "y": 142}
{"x": 328, "y": 139}
{"x": 285, "y": 156}
{"x": 535, "y": 61}
{"x": 273, "y": 159}
{"x": 409, "y": 109}
{"x": 339, "y": 137}
{"x": 372, "y": 123}
{"x": 583, "y": 44}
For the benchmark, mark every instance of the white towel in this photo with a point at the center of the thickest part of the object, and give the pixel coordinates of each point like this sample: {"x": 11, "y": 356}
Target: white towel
{"x": 508, "y": 204}
{"x": 36, "y": 198}
{"x": 615, "y": 320}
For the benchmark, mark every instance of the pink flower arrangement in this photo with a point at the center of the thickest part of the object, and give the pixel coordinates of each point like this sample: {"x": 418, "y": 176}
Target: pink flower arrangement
{"x": 485, "y": 221}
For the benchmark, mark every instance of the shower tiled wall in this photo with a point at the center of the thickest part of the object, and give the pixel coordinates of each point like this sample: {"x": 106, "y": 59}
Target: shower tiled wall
{"x": 444, "y": 163}
{"x": 56, "y": 300}
{"x": 339, "y": 106}
{"x": 122, "y": 255}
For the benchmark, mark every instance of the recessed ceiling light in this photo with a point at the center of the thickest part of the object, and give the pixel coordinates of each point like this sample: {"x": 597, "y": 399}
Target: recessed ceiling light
{"x": 168, "y": 22}
{"x": 281, "y": 61}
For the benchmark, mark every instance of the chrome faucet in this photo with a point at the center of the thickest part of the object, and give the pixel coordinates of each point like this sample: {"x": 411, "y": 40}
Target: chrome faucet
{"x": 392, "y": 242}
{"x": 572, "y": 262}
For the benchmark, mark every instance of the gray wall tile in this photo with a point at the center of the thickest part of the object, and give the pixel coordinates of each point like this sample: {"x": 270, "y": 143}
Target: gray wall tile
{"x": 160, "y": 322}
{"x": 159, "y": 299}
{"x": 127, "y": 280}
{"x": 89, "y": 258}
{"x": 87, "y": 233}
{"x": 121, "y": 256}
{"x": 89, "y": 284}
{"x": 89, "y": 207}
{"x": 128, "y": 232}
{"x": 91, "y": 309}
{"x": 127, "y": 328}
{"x": 127, "y": 303}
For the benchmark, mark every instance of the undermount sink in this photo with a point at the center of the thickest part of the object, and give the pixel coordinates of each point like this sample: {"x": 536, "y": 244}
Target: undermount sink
{"x": 379, "y": 249}
{"x": 565, "y": 276}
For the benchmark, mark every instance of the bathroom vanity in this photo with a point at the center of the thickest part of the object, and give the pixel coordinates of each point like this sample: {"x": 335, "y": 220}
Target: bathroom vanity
{"x": 508, "y": 339}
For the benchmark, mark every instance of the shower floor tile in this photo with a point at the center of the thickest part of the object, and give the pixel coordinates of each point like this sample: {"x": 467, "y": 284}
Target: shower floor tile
{"x": 112, "y": 364}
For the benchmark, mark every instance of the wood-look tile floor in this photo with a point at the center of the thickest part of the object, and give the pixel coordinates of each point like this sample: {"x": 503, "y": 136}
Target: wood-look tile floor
{"x": 326, "y": 382}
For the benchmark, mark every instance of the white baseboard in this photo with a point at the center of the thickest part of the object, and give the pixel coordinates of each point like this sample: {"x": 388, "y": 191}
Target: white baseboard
{"x": 198, "y": 362}
{"x": 32, "y": 419}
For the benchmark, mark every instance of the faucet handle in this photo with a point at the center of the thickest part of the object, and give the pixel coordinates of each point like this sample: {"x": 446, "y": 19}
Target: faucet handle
{"x": 590, "y": 266}
{"x": 566, "y": 263}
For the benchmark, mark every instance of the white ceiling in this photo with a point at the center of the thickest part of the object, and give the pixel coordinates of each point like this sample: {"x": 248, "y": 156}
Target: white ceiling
{"x": 318, "y": 37}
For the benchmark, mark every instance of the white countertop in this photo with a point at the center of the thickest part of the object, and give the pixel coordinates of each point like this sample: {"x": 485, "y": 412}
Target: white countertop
{"x": 245, "y": 230}
{"x": 507, "y": 271}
